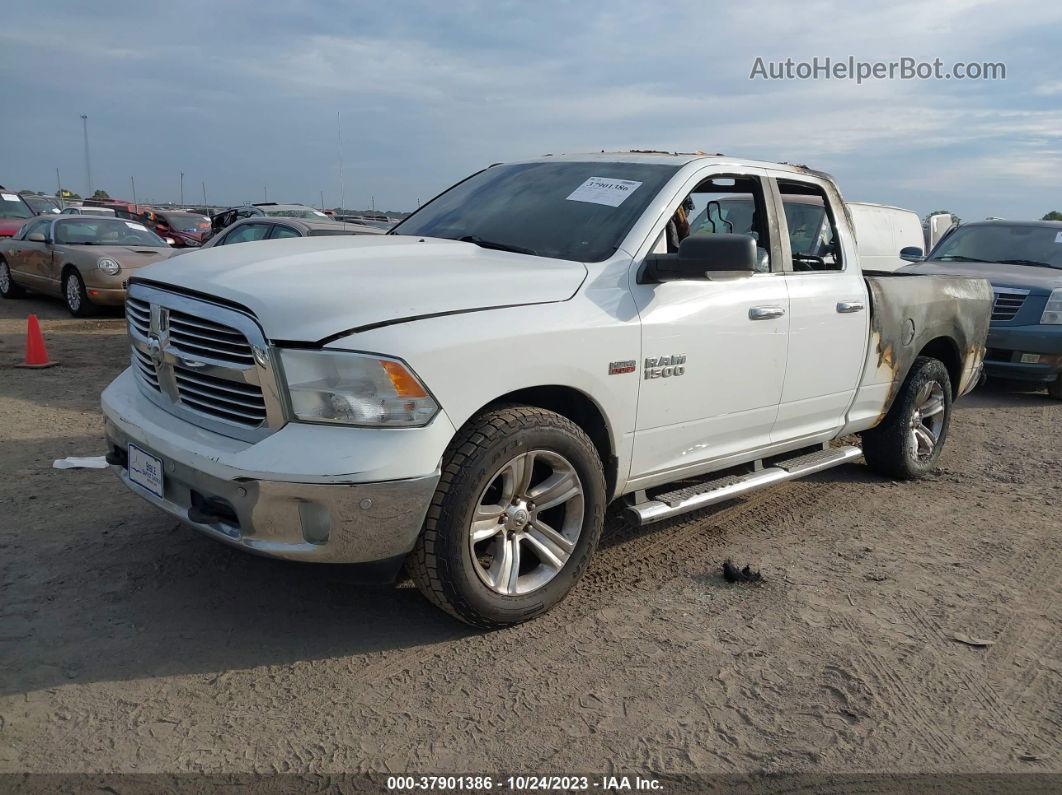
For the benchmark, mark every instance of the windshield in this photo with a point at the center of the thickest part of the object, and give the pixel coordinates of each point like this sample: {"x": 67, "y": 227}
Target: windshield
{"x": 187, "y": 222}
{"x": 11, "y": 206}
{"x": 86, "y": 231}
{"x": 42, "y": 204}
{"x": 297, "y": 212}
{"x": 1020, "y": 244}
{"x": 567, "y": 210}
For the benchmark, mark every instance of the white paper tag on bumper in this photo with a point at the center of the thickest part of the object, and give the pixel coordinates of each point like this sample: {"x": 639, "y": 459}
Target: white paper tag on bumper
{"x": 604, "y": 190}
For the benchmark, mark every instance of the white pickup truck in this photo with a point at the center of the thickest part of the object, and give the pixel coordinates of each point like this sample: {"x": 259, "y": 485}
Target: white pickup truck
{"x": 466, "y": 395}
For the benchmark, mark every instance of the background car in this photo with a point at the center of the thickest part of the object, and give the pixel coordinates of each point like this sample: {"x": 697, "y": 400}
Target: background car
{"x": 185, "y": 229}
{"x": 263, "y": 227}
{"x": 41, "y": 204}
{"x": 85, "y": 210}
{"x": 1023, "y": 261}
{"x": 14, "y": 212}
{"x": 84, "y": 259}
{"x": 272, "y": 209}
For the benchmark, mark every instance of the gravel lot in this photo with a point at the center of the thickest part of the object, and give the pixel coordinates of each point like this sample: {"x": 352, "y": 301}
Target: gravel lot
{"x": 129, "y": 643}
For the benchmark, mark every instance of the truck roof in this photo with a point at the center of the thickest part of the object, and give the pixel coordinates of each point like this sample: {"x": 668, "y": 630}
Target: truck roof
{"x": 673, "y": 158}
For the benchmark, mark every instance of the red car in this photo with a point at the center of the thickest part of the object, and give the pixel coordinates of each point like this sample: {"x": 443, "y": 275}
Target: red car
{"x": 187, "y": 230}
{"x": 13, "y": 212}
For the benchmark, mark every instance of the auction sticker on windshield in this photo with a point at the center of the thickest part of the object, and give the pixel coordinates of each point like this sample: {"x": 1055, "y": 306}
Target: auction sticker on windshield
{"x": 604, "y": 190}
{"x": 145, "y": 470}
{"x": 10, "y": 197}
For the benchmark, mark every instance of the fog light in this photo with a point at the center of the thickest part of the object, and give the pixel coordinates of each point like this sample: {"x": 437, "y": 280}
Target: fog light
{"x": 1030, "y": 358}
{"x": 316, "y": 522}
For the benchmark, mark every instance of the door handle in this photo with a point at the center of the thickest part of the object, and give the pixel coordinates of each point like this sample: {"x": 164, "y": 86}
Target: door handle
{"x": 765, "y": 312}
{"x": 846, "y": 307}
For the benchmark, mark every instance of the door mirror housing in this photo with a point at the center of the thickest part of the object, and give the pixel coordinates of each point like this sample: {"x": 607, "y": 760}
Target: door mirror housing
{"x": 701, "y": 255}
{"x": 912, "y": 254}
{"x": 36, "y": 237}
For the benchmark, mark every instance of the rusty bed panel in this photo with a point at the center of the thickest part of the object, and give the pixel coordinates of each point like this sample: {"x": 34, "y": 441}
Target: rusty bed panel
{"x": 910, "y": 311}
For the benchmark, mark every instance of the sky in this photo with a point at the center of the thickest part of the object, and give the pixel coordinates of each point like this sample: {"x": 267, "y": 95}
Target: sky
{"x": 244, "y": 96}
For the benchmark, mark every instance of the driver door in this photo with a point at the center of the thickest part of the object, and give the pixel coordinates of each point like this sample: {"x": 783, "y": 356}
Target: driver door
{"x": 728, "y": 334}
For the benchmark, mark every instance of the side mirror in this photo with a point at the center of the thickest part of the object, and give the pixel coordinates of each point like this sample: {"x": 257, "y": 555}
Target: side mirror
{"x": 703, "y": 254}
{"x": 912, "y": 254}
{"x": 36, "y": 237}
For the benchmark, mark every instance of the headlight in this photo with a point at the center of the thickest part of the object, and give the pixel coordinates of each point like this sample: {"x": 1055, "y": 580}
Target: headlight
{"x": 1053, "y": 311}
{"x": 108, "y": 266}
{"x": 355, "y": 389}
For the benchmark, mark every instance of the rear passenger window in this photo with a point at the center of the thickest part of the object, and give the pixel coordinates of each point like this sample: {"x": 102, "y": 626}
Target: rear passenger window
{"x": 811, "y": 229}
{"x": 283, "y": 231}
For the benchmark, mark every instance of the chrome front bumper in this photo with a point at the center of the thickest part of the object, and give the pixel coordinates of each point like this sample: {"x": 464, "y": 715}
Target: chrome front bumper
{"x": 319, "y": 522}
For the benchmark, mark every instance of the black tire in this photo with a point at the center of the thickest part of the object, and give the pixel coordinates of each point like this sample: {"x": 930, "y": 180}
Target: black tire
{"x": 8, "y": 288}
{"x": 76, "y": 296}
{"x": 442, "y": 564}
{"x": 1054, "y": 389}
{"x": 893, "y": 448}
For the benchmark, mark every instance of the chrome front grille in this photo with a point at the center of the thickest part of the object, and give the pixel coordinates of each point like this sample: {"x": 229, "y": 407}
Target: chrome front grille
{"x": 145, "y": 369}
{"x": 195, "y": 336}
{"x": 240, "y": 403}
{"x": 138, "y": 313}
{"x": 205, "y": 363}
{"x": 1008, "y": 301}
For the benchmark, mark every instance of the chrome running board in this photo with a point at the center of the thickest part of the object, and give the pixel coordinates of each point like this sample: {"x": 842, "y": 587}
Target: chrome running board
{"x": 673, "y": 503}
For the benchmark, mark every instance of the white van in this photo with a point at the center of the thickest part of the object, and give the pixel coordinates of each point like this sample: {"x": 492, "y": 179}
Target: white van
{"x": 882, "y": 231}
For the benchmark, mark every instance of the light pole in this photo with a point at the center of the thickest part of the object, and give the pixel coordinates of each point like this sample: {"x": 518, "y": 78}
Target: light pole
{"x": 182, "y": 189}
{"x": 132, "y": 183}
{"x": 204, "y": 195}
{"x": 88, "y": 163}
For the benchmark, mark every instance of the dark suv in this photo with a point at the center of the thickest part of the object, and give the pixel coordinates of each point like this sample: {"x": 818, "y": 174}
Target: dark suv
{"x": 1023, "y": 261}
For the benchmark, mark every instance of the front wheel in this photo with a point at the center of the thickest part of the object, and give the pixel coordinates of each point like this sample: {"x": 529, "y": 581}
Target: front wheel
{"x": 908, "y": 442}
{"x": 516, "y": 516}
{"x": 1054, "y": 389}
{"x": 8, "y": 288}
{"x": 76, "y": 296}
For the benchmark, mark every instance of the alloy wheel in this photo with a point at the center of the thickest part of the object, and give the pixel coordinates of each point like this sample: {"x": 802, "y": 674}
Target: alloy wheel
{"x": 927, "y": 420}
{"x": 526, "y": 523}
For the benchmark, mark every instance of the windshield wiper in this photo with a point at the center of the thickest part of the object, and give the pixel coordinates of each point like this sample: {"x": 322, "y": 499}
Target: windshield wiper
{"x": 949, "y": 257}
{"x": 475, "y": 239}
{"x": 1028, "y": 262}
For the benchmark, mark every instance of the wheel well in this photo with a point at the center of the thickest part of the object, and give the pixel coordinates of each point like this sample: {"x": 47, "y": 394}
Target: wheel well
{"x": 578, "y": 408}
{"x": 945, "y": 350}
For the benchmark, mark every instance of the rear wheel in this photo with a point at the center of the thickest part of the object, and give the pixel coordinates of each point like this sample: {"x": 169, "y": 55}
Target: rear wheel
{"x": 8, "y": 288}
{"x": 1054, "y": 389}
{"x": 516, "y": 516}
{"x": 76, "y": 296}
{"x": 908, "y": 442}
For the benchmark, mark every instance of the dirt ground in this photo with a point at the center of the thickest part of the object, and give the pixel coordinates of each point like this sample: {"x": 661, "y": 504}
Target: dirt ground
{"x": 129, "y": 643}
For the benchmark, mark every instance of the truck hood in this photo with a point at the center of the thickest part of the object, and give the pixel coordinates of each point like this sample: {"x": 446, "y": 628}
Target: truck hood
{"x": 996, "y": 272}
{"x": 311, "y": 289}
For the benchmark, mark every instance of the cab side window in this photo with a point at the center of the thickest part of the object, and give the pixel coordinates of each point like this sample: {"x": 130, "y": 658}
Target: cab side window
{"x": 811, "y": 228}
{"x": 723, "y": 204}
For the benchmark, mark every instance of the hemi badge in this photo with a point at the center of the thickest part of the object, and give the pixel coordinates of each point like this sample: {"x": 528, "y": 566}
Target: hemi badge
{"x": 619, "y": 368}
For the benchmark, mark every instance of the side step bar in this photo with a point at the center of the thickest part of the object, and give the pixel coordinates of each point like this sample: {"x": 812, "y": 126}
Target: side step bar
{"x": 673, "y": 503}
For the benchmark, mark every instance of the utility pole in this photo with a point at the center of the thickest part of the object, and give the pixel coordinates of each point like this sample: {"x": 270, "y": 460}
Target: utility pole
{"x": 132, "y": 182}
{"x": 59, "y": 189}
{"x": 322, "y": 201}
{"x": 265, "y": 193}
{"x": 182, "y": 189}
{"x": 88, "y": 164}
{"x": 204, "y": 194}
{"x": 339, "y": 149}
{"x": 373, "y": 199}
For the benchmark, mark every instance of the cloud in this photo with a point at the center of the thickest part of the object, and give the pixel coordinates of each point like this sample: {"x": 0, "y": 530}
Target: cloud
{"x": 245, "y": 94}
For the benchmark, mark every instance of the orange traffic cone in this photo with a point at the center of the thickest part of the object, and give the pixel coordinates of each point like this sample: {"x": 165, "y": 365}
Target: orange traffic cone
{"x": 36, "y": 353}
